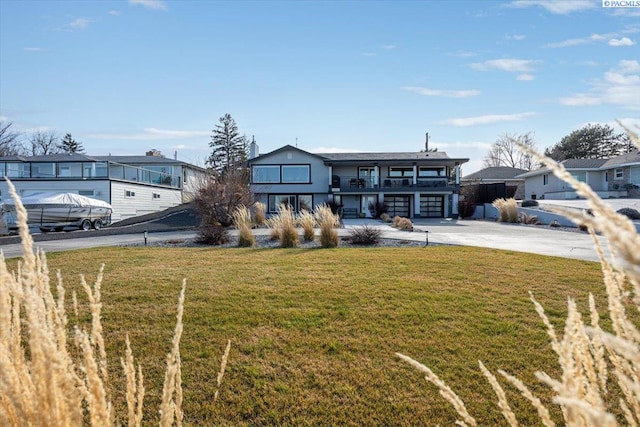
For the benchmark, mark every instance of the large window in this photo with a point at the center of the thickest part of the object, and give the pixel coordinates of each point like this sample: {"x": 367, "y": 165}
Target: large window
{"x": 95, "y": 170}
{"x": 266, "y": 174}
{"x": 401, "y": 172}
{"x": 43, "y": 170}
{"x": 305, "y": 202}
{"x": 18, "y": 170}
{"x": 71, "y": 170}
{"x": 297, "y": 202}
{"x": 295, "y": 173}
{"x": 580, "y": 176}
{"x": 425, "y": 172}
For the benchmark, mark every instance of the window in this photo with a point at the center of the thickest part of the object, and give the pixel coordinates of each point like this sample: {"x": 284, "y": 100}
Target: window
{"x": 401, "y": 172}
{"x": 277, "y": 200}
{"x": 305, "y": 202}
{"x": 129, "y": 194}
{"x": 96, "y": 170}
{"x": 266, "y": 174}
{"x": 88, "y": 193}
{"x": 545, "y": 179}
{"x": 580, "y": 176}
{"x": 116, "y": 171}
{"x": 619, "y": 173}
{"x": 295, "y": 173}
{"x": 429, "y": 172}
{"x": 130, "y": 173}
{"x": 606, "y": 177}
{"x": 156, "y": 195}
{"x": 43, "y": 170}
{"x": 18, "y": 170}
{"x": 73, "y": 170}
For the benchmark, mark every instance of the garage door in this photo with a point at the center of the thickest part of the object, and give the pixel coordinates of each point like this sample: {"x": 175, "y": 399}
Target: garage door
{"x": 397, "y": 205}
{"x": 635, "y": 175}
{"x": 431, "y": 206}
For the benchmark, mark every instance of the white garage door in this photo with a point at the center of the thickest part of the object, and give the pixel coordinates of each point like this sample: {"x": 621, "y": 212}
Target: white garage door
{"x": 635, "y": 175}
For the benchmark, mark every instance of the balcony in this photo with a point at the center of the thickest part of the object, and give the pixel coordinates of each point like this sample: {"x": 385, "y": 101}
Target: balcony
{"x": 353, "y": 184}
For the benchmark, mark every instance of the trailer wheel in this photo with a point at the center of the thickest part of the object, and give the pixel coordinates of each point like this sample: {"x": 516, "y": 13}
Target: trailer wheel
{"x": 85, "y": 225}
{"x": 97, "y": 224}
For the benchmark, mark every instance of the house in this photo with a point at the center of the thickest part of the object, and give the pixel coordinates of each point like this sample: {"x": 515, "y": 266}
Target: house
{"x": 133, "y": 185}
{"x": 615, "y": 177}
{"x": 412, "y": 185}
{"x": 500, "y": 177}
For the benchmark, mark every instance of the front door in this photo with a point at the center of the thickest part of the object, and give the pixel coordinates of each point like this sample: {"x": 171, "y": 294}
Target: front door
{"x": 366, "y": 201}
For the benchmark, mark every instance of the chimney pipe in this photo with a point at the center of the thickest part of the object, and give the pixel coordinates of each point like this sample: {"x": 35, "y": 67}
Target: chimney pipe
{"x": 426, "y": 142}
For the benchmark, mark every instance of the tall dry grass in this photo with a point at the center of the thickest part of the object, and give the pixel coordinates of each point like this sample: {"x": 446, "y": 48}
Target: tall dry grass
{"x": 507, "y": 209}
{"x": 592, "y": 362}
{"x": 54, "y": 375}
{"x": 242, "y": 221}
{"x": 259, "y": 213}
{"x": 288, "y": 231}
{"x": 327, "y": 221}
{"x": 307, "y": 221}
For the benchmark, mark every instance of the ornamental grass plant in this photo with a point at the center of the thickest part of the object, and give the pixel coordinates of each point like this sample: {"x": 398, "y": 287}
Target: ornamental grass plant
{"x": 242, "y": 221}
{"x": 507, "y": 209}
{"x": 599, "y": 379}
{"x": 287, "y": 223}
{"x": 327, "y": 222}
{"x": 308, "y": 223}
{"x": 259, "y": 213}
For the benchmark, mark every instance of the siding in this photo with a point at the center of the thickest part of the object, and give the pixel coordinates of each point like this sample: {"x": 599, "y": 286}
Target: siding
{"x": 143, "y": 202}
{"x": 320, "y": 178}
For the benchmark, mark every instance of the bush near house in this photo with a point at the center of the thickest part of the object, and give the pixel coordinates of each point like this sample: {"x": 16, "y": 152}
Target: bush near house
{"x": 365, "y": 235}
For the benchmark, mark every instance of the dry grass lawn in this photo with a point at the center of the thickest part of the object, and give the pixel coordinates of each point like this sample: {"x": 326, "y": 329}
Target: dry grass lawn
{"x": 314, "y": 331}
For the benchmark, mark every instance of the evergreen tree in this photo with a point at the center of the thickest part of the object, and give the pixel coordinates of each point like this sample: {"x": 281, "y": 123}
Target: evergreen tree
{"x": 229, "y": 148}
{"x": 70, "y": 145}
{"x": 594, "y": 141}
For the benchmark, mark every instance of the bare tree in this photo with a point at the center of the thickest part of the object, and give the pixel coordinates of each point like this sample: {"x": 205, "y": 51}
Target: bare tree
{"x": 505, "y": 152}
{"x": 44, "y": 143}
{"x": 9, "y": 140}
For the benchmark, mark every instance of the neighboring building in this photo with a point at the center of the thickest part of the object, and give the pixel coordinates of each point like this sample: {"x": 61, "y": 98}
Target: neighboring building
{"x": 413, "y": 185}
{"x": 499, "y": 175}
{"x": 615, "y": 177}
{"x": 133, "y": 185}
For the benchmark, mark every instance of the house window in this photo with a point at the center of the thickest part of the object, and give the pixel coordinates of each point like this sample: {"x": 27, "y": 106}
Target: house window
{"x": 295, "y": 174}
{"x": 129, "y": 194}
{"x": 276, "y": 200}
{"x": 606, "y": 177}
{"x": 619, "y": 173}
{"x": 88, "y": 193}
{"x": 429, "y": 172}
{"x": 580, "y": 176}
{"x": 156, "y": 195}
{"x": 397, "y": 172}
{"x": 43, "y": 170}
{"x": 545, "y": 179}
{"x": 266, "y": 174}
{"x": 71, "y": 170}
{"x": 305, "y": 202}
{"x": 18, "y": 170}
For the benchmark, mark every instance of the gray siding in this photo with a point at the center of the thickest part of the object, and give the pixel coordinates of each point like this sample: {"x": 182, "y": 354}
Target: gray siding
{"x": 143, "y": 202}
{"x": 320, "y": 179}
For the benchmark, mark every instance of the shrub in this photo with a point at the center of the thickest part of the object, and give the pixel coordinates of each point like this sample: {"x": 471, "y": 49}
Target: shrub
{"x": 327, "y": 221}
{"x": 385, "y": 217}
{"x": 401, "y": 223}
{"x": 217, "y": 199}
{"x": 378, "y": 209}
{"x": 308, "y": 223}
{"x": 592, "y": 362}
{"x": 259, "y": 213}
{"x": 288, "y": 231}
{"x": 242, "y": 221}
{"x": 508, "y": 210}
{"x": 365, "y": 235}
{"x": 529, "y": 219}
{"x": 529, "y": 203}
{"x": 274, "y": 227}
{"x": 466, "y": 209}
{"x": 212, "y": 235}
{"x": 629, "y": 213}
{"x": 324, "y": 213}
{"x": 333, "y": 205}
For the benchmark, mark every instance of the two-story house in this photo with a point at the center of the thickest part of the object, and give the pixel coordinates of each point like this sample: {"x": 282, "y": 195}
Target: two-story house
{"x": 133, "y": 185}
{"x": 410, "y": 184}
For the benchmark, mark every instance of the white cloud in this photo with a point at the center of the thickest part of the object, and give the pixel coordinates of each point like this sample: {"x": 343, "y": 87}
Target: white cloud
{"x": 557, "y": 7}
{"x": 114, "y": 13}
{"x": 516, "y": 37}
{"x": 33, "y": 49}
{"x": 4, "y": 119}
{"x": 388, "y": 46}
{"x": 487, "y": 119}
{"x": 368, "y": 54}
{"x": 152, "y": 134}
{"x": 150, "y": 4}
{"x": 79, "y": 23}
{"x": 461, "y": 54}
{"x": 525, "y": 77}
{"x": 439, "y": 92}
{"x": 321, "y": 150}
{"x": 509, "y": 65}
{"x": 619, "y": 86}
{"x": 625, "y": 41}
{"x": 579, "y": 41}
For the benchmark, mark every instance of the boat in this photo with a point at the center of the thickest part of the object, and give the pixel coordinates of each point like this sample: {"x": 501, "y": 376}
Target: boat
{"x": 57, "y": 211}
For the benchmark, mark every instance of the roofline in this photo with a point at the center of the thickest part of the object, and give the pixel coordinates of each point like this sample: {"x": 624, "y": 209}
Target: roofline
{"x": 283, "y": 148}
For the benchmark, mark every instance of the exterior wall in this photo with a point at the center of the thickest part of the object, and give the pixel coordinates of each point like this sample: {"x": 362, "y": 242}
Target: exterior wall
{"x": 143, "y": 202}
{"x": 100, "y": 188}
{"x": 192, "y": 179}
{"x": 319, "y": 174}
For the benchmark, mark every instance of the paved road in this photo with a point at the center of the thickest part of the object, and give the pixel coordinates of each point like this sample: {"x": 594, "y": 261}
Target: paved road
{"x": 532, "y": 239}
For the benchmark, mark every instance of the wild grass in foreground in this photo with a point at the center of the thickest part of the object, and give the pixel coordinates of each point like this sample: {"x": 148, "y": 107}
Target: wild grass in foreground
{"x": 315, "y": 331}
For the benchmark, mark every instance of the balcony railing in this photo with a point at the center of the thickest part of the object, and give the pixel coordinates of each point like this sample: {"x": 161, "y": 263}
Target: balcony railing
{"x": 355, "y": 184}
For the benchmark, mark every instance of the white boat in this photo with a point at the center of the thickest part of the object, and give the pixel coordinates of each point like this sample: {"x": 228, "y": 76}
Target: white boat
{"x": 55, "y": 211}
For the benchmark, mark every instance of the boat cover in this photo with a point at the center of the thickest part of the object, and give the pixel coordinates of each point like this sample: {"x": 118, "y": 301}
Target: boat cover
{"x": 45, "y": 199}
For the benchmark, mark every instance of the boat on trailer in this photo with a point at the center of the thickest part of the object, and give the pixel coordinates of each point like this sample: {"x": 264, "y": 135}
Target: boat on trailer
{"x": 57, "y": 211}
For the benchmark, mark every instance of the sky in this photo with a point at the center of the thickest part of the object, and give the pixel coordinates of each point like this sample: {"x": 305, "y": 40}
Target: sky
{"x": 125, "y": 77}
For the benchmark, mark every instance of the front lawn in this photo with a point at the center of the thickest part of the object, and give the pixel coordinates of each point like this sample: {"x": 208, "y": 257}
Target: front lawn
{"x": 314, "y": 331}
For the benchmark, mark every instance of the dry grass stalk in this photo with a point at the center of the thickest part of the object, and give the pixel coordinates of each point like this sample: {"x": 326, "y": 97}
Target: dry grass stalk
{"x": 223, "y": 365}
{"x": 274, "y": 227}
{"x": 259, "y": 213}
{"x": 327, "y": 221}
{"x": 590, "y": 359}
{"x": 308, "y": 223}
{"x": 507, "y": 209}
{"x": 403, "y": 224}
{"x": 242, "y": 221}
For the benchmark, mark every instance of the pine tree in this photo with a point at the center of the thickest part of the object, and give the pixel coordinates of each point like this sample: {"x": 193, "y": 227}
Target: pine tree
{"x": 229, "y": 148}
{"x": 593, "y": 141}
{"x": 70, "y": 145}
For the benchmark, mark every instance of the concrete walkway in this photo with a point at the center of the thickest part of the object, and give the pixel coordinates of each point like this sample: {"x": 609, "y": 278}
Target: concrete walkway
{"x": 533, "y": 239}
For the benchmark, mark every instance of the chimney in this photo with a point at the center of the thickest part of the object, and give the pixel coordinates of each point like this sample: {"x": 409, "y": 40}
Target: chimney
{"x": 153, "y": 152}
{"x": 426, "y": 142}
{"x": 253, "y": 148}
{"x": 175, "y": 155}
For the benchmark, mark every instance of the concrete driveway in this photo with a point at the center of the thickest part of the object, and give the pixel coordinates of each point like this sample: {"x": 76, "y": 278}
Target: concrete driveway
{"x": 521, "y": 238}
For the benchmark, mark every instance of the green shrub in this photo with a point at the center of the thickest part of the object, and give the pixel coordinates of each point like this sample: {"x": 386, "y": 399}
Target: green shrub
{"x": 365, "y": 235}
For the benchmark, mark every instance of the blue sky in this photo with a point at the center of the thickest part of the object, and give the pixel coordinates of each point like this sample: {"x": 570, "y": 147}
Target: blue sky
{"x": 124, "y": 77}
